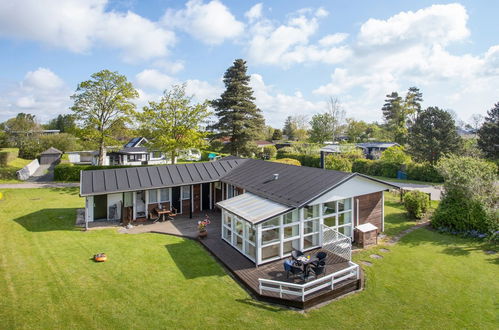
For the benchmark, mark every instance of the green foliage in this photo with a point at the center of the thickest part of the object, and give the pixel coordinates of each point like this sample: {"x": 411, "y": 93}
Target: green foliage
{"x": 489, "y": 133}
{"x": 7, "y": 155}
{"x": 305, "y": 160}
{"x": 375, "y": 167}
{"x": 470, "y": 195}
{"x": 423, "y": 172}
{"x": 289, "y": 161}
{"x": 62, "y": 141}
{"x": 71, "y": 172}
{"x": 416, "y": 203}
{"x": 357, "y": 131}
{"x": 322, "y": 128}
{"x": 238, "y": 116}
{"x": 268, "y": 152}
{"x": 395, "y": 154}
{"x": 104, "y": 105}
{"x": 277, "y": 135}
{"x": 433, "y": 135}
{"x": 338, "y": 163}
{"x": 173, "y": 123}
{"x": 64, "y": 123}
{"x": 395, "y": 117}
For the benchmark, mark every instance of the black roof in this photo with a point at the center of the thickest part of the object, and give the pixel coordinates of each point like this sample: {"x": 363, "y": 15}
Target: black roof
{"x": 105, "y": 181}
{"x": 51, "y": 151}
{"x": 295, "y": 186}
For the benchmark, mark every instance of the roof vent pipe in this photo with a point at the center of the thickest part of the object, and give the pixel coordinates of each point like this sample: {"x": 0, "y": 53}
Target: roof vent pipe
{"x": 276, "y": 176}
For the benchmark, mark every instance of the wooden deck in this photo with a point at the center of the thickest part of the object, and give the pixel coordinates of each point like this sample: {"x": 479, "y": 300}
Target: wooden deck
{"x": 245, "y": 271}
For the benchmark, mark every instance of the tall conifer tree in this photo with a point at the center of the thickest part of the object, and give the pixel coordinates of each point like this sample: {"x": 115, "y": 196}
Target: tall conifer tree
{"x": 238, "y": 116}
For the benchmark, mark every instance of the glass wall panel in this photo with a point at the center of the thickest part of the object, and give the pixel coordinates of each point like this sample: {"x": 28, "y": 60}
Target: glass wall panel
{"x": 291, "y": 245}
{"x": 291, "y": 217}
{"x": 271, "y": 235}
{"x": 271, "y": 251}
{"x": 272, "y": 222}
{"x": 312, "y": 211}
{"x": 250, "y": 232}
{"x": 250, "y": 250}
{"x": 344, "y": 205}
{"x": 291, "y": 231}
{"x": 329, "y": 208}
{"x": 330, "y": 221}
{"x": 227, "y": 234}
{"x": 311, "y": 241}
{"x": 239, "y": 227}
{"x": 346, "y": 230}
{"x": 228, "y": 219}
{"x": 344, "y": 218}
{"x": 311, "y": 226}
{"x": 239, "y": 242}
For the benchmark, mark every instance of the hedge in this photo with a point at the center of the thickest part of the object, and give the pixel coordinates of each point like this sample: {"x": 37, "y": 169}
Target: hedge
{"x": 415, "y": 171}
{"x": 289, "y": 161}
{"x": 423, "y": 172}
{"x": 8, "y": 173}
{"x": 305, "y": 160}
{"x": 8, "y": 155}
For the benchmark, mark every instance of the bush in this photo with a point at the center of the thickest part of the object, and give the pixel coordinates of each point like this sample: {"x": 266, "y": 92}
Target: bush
{"x": 388, "y": 169}
{"x": 338, "y": 163}
{"x": 8, "y": 155}
{"x": 305, "y": 160}
{"x": 395, "y": 154}
{"x": 288, "y": 161}
{"x": 416, "y": 203}
{"x": 423, "y": 172}
{"x": 362, "y": 166}
{"x": 268, "y": 152}
{"x": 8, "y": 173}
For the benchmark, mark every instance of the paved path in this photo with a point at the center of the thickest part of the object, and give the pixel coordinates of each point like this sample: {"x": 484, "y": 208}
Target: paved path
{"x": 38, "y": 185}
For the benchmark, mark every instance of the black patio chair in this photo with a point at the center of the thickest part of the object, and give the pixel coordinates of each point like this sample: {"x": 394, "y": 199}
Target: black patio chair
{"x": 295, "y": 254}
{"x": 319, "y": 269}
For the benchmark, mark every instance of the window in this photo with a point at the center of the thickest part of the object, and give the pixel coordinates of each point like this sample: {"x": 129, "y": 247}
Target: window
{"x": 344, "y": 218}
{"x": 345, "y": 230}
{"x": 272, "y": 222}
{"x": 291, "y": 231}
{"x": 250, "y": 232}
{"x": 128, "y": 199}
{"x": 291, "y": 217}
{"x": 164, "y": 195}
{"x": 271, "y": 235}
{"x": 330, "y": 221}
{"x": 153, "y": 196}
{"x": 186, "y": 192}
{"x": 310, "y": 241}
{"x": 250, "y": 250}
{"x": 311, "y": 211}
{"x": 270, "y": 252}
{"x": 311, "y": 226}
{"x": 239, "y": 227}
{"x": 329, "y": 208}
{"x": 291, "y": 245}
{"x": 227, "y": 234}
{"x": 228, "y": 220}
{"x": 344, "y": 205}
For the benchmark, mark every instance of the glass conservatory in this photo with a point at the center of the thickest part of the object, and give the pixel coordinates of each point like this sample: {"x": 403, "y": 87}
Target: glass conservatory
{"x": 264, "y": 231}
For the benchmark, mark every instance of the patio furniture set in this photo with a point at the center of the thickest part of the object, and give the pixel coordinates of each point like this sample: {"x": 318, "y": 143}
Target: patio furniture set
{"x": 302, "y": 265}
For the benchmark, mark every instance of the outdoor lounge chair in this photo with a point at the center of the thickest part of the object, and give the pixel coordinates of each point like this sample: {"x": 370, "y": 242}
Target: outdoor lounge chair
{"x": 172, "y": 214}
{"x": 295, "y": 254}
{"x": 321, "y": 255}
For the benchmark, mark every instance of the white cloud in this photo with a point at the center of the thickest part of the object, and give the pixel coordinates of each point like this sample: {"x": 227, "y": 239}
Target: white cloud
{"x": 169, "y": 66}
{"x": 79, "y": 25}
{"x": 153, "y": 79}
{"x": 41, "y": 93}
{"x": 290, "y": 43}
{"x": 211, "y": 23}
{"x": 255, "y": 12}
{"x": 276, "y": 105}
{"x": 411, "y": 48}
{"x": 202, "y": 90}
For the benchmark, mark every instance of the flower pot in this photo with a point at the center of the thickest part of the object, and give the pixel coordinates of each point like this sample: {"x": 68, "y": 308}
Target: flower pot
{"x": 203, "y": 234}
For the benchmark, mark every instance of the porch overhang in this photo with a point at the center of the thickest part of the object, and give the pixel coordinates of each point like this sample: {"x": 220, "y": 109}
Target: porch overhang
{"x": 253, "y": 208}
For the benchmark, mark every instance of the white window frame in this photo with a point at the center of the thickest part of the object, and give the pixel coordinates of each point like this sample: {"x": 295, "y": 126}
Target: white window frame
{"x": 185, "y": 188}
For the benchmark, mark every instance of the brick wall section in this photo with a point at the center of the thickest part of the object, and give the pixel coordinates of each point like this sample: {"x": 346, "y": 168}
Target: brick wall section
{"x": 370, "y": 209}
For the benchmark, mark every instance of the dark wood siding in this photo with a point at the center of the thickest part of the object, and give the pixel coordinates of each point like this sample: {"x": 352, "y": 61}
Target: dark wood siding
{"x": 370, "y": 209}
{"x": 197, "y": 197}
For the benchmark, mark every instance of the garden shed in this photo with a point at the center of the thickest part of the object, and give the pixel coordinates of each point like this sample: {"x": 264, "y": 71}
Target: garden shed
{"x": 50, "y": 156}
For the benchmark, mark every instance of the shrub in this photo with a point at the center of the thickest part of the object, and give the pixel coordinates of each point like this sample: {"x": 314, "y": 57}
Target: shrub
{"x": 305, "y": 160}
{"x": 423, "y": 172}
{"x": 416, "y": 203}
{"x": 361, "y": 165}
{"x": 8, "y": 155}
{"x": 338, "y": 163}
{"x": 388, "y": 169}
{"x": 288, "y": 161}
{"x": 8, "y": 172}
{"x": 395, "y": 154}
{"x": 268, "y": 152}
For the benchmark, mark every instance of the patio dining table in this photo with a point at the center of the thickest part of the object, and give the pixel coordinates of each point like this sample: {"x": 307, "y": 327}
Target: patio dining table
{"x": 162, "y": 213}
{"x": 306, "y": 262}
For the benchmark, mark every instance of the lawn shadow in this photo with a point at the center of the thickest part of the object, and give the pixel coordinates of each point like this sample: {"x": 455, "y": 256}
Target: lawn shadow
{"x": 452, "y": 245}
{"x": 191, "y": 262}
{"x": 66, "y": 190}
{"x": 261, "y": 305}
{"x": 49, "y": 220}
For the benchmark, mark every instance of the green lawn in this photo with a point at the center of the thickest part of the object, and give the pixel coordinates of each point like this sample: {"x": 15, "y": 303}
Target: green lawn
{"x": 11, "y": 168}
{"x": 48, "y": 281}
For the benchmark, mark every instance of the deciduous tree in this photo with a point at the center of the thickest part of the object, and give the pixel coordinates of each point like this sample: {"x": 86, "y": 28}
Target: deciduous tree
{"x": 488, "y": 134}
{"x": 103, "y": 104}
{"x": 174, "y": 122}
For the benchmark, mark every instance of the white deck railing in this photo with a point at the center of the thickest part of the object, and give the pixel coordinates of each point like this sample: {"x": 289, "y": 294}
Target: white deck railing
{"x": 302, "y": 290}
{"x": 336, "y": 243}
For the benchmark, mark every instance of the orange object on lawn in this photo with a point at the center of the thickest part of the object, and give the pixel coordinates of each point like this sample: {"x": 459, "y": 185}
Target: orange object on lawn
{"x": 100, "y": 257}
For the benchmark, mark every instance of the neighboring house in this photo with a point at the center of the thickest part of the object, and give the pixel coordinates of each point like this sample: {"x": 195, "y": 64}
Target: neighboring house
{"x": 136, "y": 152}
{"x": 267, "y": 209}
{"x": 466, "y": 133}
{"x": 373, "y": 150}
{"x": 80, "y": 157}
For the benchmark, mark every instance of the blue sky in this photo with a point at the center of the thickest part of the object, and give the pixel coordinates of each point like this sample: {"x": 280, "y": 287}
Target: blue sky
{"x": 299, "y": 53}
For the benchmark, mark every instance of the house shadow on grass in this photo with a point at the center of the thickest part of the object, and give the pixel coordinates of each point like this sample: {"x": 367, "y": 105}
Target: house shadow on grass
{"x": 452, "y": 245}
{"x": 49, "y": 220}
{"x": 192, "y": 260}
